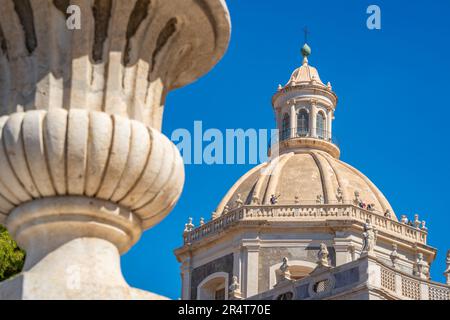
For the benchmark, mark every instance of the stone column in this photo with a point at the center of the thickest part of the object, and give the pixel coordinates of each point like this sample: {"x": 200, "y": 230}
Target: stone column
{"x": 312, "y": 119}
{"x": 330, "y": 125}
{"x": 293, "y": 132}
{"x": 84, "y": 168}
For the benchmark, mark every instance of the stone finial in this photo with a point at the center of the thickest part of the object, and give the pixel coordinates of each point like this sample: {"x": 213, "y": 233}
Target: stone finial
{"x": 447, "y": 269}
{"x": 214, "y": 215}
{"x": 417, "y": 222}
{"x": 329, "y": 87}
{"x": 421, "y": 268}
{"x": 202, "y": 221}
{"x": 226, "y": 209}
{"x": 234, "y": 289}
{"x": 306, "y": 50}
{"x": 388, "y": 214}
{"x": 404, "y": 219}
{"x": 239, "y": 202}
{"x": 280, "y": 87}
{"x": 394, "y": 256}
{"x": 369, "y": 239}
{"x": 283, "y": 272}
{"x": 188, "y": 227}
{"x": 323, "y": 256}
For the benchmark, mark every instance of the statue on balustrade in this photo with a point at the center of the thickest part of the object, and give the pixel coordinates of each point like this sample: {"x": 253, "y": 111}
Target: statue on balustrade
{"x": 421, "y": 268}
{"x": 283, "y": 272}
{"x": 370, "y": 238}
{"x": 323, "y": 256}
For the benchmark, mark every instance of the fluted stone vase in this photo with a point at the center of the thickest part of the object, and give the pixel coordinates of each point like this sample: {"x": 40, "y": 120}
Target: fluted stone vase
{"x": 84, "y": 168}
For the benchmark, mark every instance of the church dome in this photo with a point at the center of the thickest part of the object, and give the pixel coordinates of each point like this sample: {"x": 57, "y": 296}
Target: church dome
{"x": 306, "y": 178}
{"x": 305, "y": 169}
{"x": 306, "y": 74}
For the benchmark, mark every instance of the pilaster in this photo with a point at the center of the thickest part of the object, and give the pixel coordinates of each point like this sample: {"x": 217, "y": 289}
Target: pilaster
{"x": 312, "y": 118}
{"x": 293, "y": 132}
{"x": 342, "y": 249}
{"x": 186, "y": 271}
{"x": 251, "y": 268}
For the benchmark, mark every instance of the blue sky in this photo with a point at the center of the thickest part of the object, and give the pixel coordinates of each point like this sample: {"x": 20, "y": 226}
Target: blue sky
{"x": 391, "y": 119}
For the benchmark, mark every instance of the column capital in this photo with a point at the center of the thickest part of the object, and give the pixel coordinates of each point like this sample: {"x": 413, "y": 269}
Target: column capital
{"x": 251, "y": 246}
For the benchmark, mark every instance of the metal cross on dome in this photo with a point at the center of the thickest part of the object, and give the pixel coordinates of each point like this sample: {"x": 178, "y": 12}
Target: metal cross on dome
{"x": 306, "y": 33}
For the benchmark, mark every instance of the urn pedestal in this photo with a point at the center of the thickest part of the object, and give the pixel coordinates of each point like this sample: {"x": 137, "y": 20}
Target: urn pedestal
{"x": 84, "y": 169}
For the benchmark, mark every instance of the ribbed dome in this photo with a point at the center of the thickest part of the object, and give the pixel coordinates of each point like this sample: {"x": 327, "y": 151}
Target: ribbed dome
{"x": 308, "y": 177}
{"x": 305, "y": 75}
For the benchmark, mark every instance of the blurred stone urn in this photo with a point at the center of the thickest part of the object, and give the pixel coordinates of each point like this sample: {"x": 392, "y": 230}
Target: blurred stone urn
{"x": 84, "y": 168}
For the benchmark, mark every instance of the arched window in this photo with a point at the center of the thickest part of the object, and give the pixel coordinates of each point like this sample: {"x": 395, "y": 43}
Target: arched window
{"x": 214, "y": 287}
{"x": 285, "y": 127}
{"x": 302, "y": 123}
{"x": 320, "y": 126}
{"x": 298, "y": 269}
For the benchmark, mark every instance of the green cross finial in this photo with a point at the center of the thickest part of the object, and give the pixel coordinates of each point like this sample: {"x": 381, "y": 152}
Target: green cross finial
{"x": 306, "y": 50}
{"x": 306, "y": 32}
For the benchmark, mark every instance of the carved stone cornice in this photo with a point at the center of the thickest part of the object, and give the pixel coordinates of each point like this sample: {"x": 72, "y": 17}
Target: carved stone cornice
{"x": 336, "y": 216}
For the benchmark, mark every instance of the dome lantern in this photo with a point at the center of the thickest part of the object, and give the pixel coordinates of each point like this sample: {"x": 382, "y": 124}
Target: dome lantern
{"x": 304, "y": 110}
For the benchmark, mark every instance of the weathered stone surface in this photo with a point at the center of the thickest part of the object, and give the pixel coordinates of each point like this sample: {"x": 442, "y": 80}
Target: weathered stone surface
{"x": 125, "y": 59}
{"x": 64, "y": 274}
{"x": 346, "y": 277}
{"x": 83, "y": 165}
{"x": 78, "y": 152}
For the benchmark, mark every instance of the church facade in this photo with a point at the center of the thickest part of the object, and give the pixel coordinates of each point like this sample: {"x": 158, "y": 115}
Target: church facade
{"x": 306, "y": 225}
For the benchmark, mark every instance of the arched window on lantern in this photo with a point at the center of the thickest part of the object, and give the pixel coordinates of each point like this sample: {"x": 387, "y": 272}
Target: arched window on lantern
{"x": 320, "y": 126}
{"x": 285, "y": 127}
{"x": 302, "y": 123}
